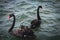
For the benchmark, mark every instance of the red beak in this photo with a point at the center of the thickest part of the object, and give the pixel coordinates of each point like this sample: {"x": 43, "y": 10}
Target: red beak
{"x": 9, "y": 17}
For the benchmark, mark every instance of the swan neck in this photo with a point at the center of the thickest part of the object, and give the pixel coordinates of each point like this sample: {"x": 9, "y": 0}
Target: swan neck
{"x": 12, "y": 26}
{"x": 38, "y": 17}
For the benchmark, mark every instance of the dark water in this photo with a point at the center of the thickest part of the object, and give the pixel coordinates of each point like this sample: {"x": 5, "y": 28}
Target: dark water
{"x": 25, "y": 11}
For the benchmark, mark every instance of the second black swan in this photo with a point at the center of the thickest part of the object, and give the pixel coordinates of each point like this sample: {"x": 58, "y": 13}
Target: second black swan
{"x": 36, "y": 22}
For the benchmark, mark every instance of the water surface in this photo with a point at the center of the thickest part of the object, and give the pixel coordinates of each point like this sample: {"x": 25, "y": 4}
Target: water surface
{"x": 25, "y": 11}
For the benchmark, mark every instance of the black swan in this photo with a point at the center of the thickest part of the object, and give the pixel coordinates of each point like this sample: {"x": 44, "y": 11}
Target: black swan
{"x": 24, "y": 32}
{"x": 36, "y": 23}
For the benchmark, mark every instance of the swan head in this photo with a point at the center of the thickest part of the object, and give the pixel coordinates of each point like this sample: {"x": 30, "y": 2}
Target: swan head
{"x": 39, "y": 6}
{"x": 11, "y": 15}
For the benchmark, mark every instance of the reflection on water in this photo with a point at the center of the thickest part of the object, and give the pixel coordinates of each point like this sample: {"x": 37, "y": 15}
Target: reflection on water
{"x": 25, "y": 11}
